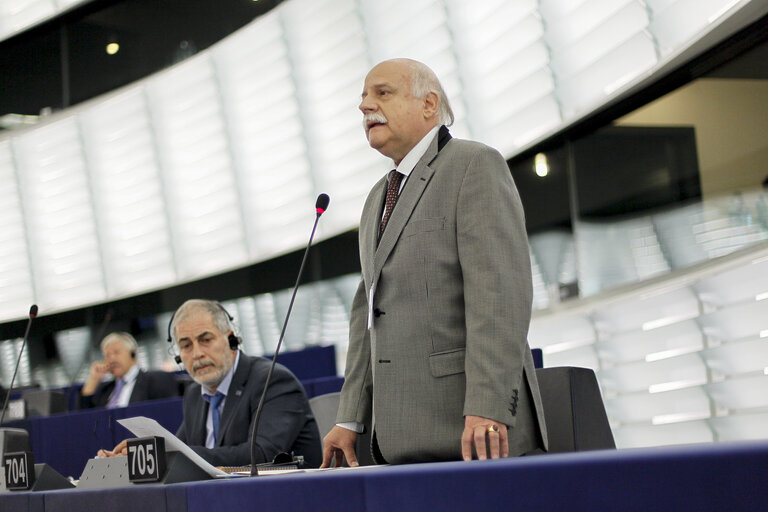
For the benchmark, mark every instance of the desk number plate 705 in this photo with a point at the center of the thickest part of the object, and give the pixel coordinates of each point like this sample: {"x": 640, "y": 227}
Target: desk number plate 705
{"x": 146, "y": 459}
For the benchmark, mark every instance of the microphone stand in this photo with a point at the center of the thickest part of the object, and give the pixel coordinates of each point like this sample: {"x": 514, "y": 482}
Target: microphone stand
{"x": 32, "y": 314}
{"x": 321, "y": 205}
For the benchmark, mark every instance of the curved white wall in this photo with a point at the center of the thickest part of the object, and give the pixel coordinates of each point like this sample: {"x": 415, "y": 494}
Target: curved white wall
{"x": 215, "y": 163}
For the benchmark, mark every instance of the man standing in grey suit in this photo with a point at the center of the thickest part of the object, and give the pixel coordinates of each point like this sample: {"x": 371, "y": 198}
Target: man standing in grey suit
{"x": 438, "y": 361}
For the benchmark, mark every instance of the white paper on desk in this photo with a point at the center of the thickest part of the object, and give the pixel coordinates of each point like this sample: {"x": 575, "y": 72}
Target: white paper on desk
{"x": 142, "y": 426}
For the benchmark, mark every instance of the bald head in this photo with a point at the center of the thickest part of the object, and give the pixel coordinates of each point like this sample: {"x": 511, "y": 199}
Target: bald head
{"x": 402, "y": 101}
{"x": 424, "y": 81}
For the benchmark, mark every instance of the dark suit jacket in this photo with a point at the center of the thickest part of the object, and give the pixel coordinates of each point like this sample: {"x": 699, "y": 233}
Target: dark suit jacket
{"x": 151, "y": 385}
{"x": 286, "y": 424}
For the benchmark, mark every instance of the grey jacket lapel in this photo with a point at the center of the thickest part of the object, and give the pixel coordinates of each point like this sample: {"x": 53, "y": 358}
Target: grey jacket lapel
{"x": 369, "y": 227}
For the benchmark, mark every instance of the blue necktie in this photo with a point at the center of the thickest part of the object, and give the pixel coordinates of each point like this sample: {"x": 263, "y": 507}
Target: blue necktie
{"x": 215, "y": 416}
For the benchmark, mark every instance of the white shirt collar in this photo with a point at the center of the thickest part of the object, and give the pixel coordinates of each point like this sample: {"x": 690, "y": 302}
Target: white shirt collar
{"x": 414, "y": 155}
{"x": 131, "y": 374}
{"x": 223, "y": 388}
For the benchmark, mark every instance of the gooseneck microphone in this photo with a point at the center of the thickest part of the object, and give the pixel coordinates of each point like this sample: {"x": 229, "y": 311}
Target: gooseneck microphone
{"x": 320, "y": 206}
{"x": 32, "y": 314}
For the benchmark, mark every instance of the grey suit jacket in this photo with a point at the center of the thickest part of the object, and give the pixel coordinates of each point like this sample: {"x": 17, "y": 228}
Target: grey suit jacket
{"x": 451, "y": 307}
{"x": 286, "y": 424}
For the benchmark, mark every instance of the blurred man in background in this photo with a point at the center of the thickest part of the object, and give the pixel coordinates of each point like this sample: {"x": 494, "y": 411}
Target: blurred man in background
{"x": 130, "y": 384}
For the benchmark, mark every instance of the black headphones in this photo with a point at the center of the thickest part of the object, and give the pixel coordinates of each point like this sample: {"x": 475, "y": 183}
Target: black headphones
{"x": 234, "y": 341}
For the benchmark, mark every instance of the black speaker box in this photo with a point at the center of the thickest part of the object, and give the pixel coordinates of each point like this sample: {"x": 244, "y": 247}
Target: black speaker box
{"x": 573, "y": 410}
{"x": 45, "y": 402}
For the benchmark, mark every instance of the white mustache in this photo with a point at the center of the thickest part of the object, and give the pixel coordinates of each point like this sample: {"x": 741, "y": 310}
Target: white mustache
{"x": 201, "y": 364}
{"x": 373, "y": 118}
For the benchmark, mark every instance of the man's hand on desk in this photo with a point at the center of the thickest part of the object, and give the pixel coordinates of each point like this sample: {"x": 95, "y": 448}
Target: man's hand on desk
{"x": 338, "y": 445}
{"x": 476, "y": 431}
{"x": 120, "y": 449}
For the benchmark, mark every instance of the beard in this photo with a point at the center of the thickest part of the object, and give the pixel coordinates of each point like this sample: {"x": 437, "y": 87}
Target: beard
{"x": 216, "y": 373}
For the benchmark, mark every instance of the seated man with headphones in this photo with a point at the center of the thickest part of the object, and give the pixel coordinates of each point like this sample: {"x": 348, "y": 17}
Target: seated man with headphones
{"x": 220, "y": 406}
{"x": 130, "y": 384}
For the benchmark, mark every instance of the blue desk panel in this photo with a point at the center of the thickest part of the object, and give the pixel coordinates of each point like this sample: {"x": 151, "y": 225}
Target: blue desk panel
{"x": 712, "y": 477}
{"x": 339, "y": 491}
{"x": 67, "y": 441}
{"x": 22, "y": 502}
{"x": 149, "y": 498}
{"x": 322, "y": 385}
{"x": 310, "y": 363}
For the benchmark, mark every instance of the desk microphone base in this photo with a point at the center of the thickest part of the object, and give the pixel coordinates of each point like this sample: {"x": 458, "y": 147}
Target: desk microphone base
{"x": 48, "y": 479}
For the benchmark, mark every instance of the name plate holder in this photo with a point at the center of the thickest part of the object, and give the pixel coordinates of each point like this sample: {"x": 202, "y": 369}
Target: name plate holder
{"x": 147, "y": 463}
{"x": 20, "y": 473}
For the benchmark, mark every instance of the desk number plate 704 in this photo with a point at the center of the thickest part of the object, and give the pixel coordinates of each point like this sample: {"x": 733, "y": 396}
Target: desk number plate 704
{"x": 19, "y": 471}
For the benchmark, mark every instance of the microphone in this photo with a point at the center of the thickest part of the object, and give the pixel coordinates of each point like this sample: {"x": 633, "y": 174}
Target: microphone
{"x": 320, "y": 206}
{"x": 32, "y": 314}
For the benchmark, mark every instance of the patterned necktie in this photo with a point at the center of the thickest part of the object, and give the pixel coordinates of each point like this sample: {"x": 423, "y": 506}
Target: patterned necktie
{"x": 393, "y": 191}
{"x": 115, "y": 396}
{"x": 215, "y": 416}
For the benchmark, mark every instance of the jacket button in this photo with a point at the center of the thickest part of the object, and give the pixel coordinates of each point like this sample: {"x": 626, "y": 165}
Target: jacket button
{"x": 377, "y": 312}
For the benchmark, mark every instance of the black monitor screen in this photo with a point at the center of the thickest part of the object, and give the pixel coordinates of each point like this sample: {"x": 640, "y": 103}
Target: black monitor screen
{"x": 624, "y": 170}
